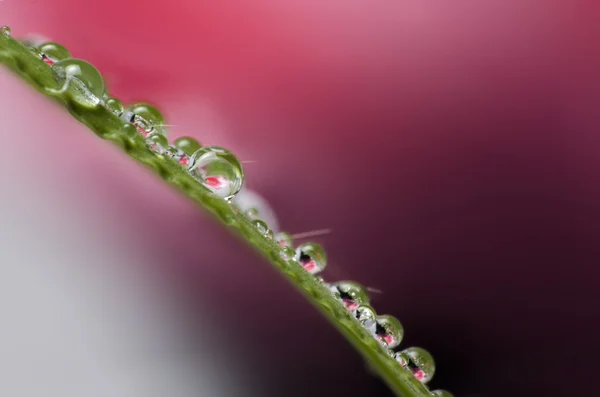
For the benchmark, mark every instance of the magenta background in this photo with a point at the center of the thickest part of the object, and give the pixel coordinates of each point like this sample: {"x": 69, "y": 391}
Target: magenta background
{"x": 451, "y": 146}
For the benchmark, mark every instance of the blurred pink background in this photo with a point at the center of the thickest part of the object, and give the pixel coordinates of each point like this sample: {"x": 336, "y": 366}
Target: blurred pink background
{"x": 451, "y": 146}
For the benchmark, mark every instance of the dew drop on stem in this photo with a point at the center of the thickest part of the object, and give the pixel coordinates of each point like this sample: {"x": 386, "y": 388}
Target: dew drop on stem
{"x": 53, "y": 52}
{"x": 115, "y": 106}
{"x": 312, "y": 257}
{"x": 388, "y": 331}
{"x": 284, "y": 239}
{"x": 350, "y": 294}
{"x": 418, "y": 361}
{"x": 81, "y": 79}
{"x": 263, "y": 228}
{"x": 187, "y": 145}
{"x": 219, "y": 170}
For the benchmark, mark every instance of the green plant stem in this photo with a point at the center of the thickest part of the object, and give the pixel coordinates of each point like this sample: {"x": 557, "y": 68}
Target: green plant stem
{"x": 107, "y": 126}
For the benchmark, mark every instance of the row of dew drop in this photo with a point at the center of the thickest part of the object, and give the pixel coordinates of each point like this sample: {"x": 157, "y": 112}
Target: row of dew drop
{"x": 221, "y": 172}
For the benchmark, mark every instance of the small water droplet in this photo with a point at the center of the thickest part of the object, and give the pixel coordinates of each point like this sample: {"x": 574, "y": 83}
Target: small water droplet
{"x": 350, "y": 294}
{"x": 187, "y": 145}
{"x": 263, "y": 228}
{"x": 5, "y": 30}
{"x": 366, "y": 315}
{"x": 157, "y": 143}
{"x": 252, "y": 213}
{"x": 256, "y": 207}
{"x": 388, "y": 331}
{"x": 219, "y": 170}
{"x": 178, "y": 156}
{"x": 287, "y": 253}
{"x": 418, "y": 361}
{"x": 85, "y": 80}
{"x": 312, "y": 257}
{"x": 284, "y": 239}
{"x": 146, "y": 119}
{"x": 53, "y": 52}
{"x": 441, "y": 393}
{"x": 115, "y": 106}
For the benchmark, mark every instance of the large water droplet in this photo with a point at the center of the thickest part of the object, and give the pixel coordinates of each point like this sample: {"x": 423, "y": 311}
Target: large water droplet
{"x": 441, "y": 393}
{"x": 367, "y": 316}
{"x": 115, "y": 106}
{"x": 146, "y": 118}
{"x": 157, "y": 143}
{"x": 218, "y": 170}
{"x": 187, "y": 145}
{"x": 388, "y": 331}
{"x": 5, "y": 30}
{"x": 418, "y": 361}
{"x": 350, "y": 294}
{"x": 312, "y": 257}
{"x": 82, "y": 79}
{"x": 53, "y": 52}
{"x": 284, "y": 239}
{"x": 263, "y": 228}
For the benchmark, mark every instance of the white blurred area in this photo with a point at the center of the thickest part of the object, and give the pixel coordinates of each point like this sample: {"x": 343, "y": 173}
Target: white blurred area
{"x": 80, "y": 313}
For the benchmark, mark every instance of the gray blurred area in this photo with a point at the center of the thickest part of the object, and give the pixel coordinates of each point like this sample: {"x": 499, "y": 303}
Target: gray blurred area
{"x": 81, "y": 314}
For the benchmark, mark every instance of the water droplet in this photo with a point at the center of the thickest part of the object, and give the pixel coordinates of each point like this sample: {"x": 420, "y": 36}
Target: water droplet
{"x": 219, "y": 170}
{"x": 366, "y": 315}
{"x": 53, "y": 52}
{"x": 178, "y": 156}
{"x": 115, "y": 106}
{"x": 441, "y": 393}
{"x": 5, "y": 30}
{"x": 388, "y": 331}
{"x": 284, "y": 239}
{"x": 157, "y": 143}
{"x": 256, "y": 207}
{"x": 187, "y": 145}
{"x": 312, "y": 257}
{"x": 252, "y": 213}
{"x": 263, "y": 228}
{"x": 350, "y": 294}
{"x": 146, "y": 119}
{"x": 85, "y": 80}
{"x": 418, "y": 361}
{"x": 287, "y": 253}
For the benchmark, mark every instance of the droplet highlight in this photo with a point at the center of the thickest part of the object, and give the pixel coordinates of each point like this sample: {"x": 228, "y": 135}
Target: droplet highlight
{"x": 219, "y": 170}
{"x": 350, "y": 294}
{"x": 388, "y": 331}
{"x": 312, "y": 257}
{"x": 53, "y": 52}
{"x": 5, "y": 30}
{"x": 83, "y": 81}
{"x": 418, "y": 361}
